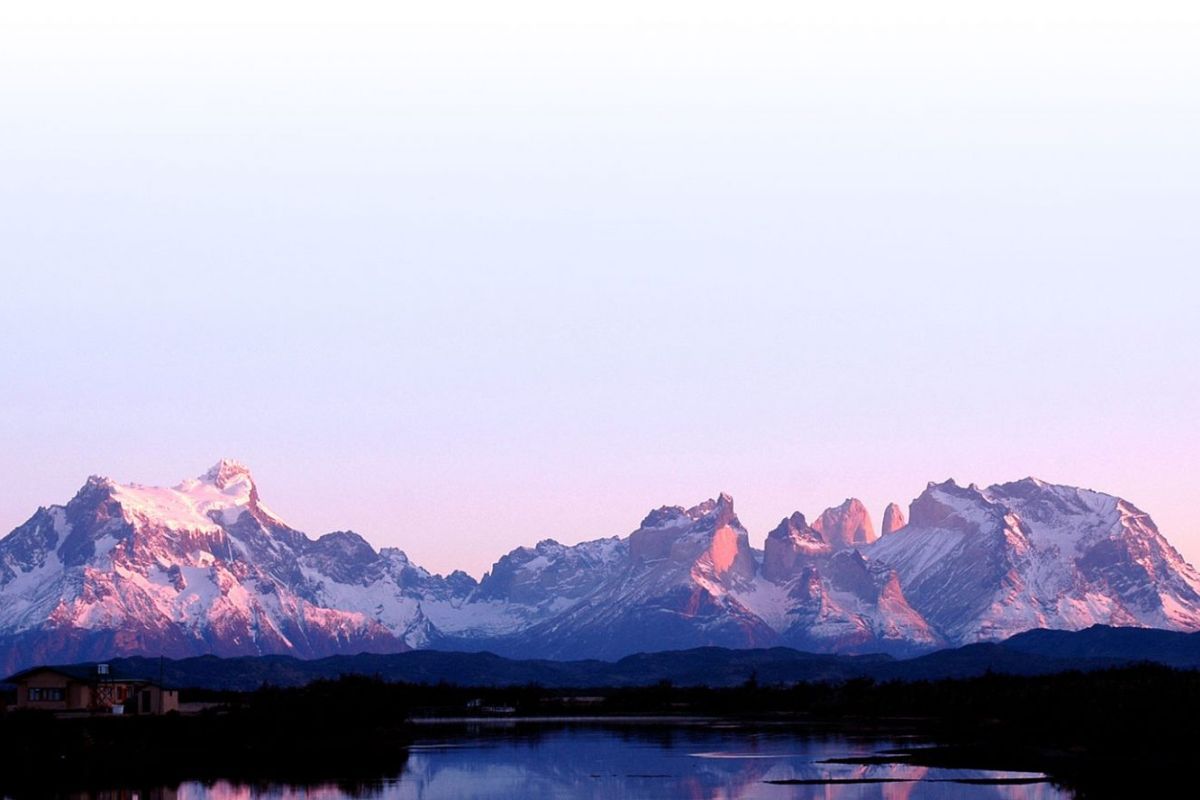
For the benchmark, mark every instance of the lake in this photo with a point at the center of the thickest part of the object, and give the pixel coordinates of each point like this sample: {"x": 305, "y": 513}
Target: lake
{"x": 703, "y": 760}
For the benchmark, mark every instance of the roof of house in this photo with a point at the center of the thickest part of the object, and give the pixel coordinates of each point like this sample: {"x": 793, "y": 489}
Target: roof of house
{"x": 85, "y": 673}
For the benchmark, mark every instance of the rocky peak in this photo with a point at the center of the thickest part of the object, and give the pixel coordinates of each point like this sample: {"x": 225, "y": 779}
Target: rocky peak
{"x": 227, "y": 472}
{"x": 719, "y": 511}
{"x": 664, "y": 516}
{"x": 790, "y": 547}
{"x": 846, "y": 525}
{"x": 234, "y": 479}
{"x": 723, "y": 513}
{"x": 346, "y": 545}
{"x": 97, "y": 487}
{"x": 394, "y": 554}
{"x": 1030, "y": 483}
{"x": 716, "y": 512}
{"x": 893, "y": 519}
{"x": 790, "y": 527}
{"x": 707, "y": 532}
{"x": 727, "y": 557}
{"x": 943, "y": 505}
{"x": 96, "y": 501}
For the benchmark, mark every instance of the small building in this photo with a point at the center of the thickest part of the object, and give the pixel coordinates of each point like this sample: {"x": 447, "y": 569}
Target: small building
{"x": 90, "y": 689}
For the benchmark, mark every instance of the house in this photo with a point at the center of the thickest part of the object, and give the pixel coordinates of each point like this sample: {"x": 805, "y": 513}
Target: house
{"x": 91, "y": 689}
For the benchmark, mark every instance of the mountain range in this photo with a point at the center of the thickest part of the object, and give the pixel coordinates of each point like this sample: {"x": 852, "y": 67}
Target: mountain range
{"x": 206, "y": 567}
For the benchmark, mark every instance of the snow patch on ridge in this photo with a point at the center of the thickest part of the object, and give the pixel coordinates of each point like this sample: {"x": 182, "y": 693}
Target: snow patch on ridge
{"x": 768, "y": 601}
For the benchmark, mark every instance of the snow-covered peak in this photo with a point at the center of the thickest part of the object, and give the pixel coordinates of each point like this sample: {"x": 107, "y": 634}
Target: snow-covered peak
{"x": 218, "y": 497}
{"x": 228, "y": 473}
{"x": 202, "y": 567}
{"x": 1052, "y": 498}
{"x": 181, "y": 508}
{"x": 948, "y": 505}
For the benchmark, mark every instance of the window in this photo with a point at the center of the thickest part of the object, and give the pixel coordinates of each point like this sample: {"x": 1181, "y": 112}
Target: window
{"x": 45, "y": 695}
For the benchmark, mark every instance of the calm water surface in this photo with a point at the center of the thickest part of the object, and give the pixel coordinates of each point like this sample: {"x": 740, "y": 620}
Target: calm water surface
{"x": 582, "y": 762}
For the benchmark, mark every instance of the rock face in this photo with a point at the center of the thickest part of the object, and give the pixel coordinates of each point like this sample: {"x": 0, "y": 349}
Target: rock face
{"x": 847, "y": 525}
{"x": 790, "y": 546}
{"x": 834, "y": 600}
{"x": 893, "y": 519}
{"x": 206, "y": 567}
{"x": 983, "y": 564}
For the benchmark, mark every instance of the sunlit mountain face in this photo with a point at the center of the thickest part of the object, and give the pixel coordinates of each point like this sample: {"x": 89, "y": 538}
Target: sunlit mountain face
{"x": 207, "y": 567}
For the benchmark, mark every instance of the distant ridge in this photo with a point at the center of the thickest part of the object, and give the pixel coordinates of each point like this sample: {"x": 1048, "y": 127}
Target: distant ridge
{"x": 1038, "y": 652}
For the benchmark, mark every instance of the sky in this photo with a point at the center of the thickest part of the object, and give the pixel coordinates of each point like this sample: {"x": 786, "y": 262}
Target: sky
{"x": 464, "y": 277}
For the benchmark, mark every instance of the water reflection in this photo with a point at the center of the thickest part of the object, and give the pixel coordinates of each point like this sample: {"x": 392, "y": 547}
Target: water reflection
{"x": 594, "y": 762}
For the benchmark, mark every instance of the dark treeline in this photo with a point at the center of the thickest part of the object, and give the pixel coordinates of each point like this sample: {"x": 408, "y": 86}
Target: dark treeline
{"x": 351, "y": 732}
{"x": 1102, "y": 733}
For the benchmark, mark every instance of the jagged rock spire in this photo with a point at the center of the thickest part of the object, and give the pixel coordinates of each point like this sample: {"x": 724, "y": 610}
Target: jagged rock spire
{"x": 893, "y": 519}
{"x": 846, "y": 525}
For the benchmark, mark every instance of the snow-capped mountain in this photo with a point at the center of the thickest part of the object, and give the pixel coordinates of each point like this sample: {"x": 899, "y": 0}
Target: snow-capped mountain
{"x": 206, "y": 567}
{"x": 984, "y": 564}
{"x": 679, "y": 580}
{"x": 203, "y": 567}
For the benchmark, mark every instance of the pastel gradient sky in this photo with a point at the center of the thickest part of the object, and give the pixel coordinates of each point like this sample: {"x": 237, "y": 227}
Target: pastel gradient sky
{"x": 466, "y": 277}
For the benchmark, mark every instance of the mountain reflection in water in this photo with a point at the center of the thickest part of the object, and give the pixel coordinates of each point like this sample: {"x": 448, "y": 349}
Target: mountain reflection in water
{"x": 601, "y": 762}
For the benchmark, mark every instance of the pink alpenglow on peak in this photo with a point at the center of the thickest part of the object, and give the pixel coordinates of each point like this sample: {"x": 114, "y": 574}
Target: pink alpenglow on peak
{"x": 790, "y": 546}
{"x": 893, "y": 519}
{"x": 126, "y": 569}
{"x": 729, "y": 553}
{"x": 218, "y": 497}
{"x": 847, "y": 525}
{"x": 707, "y": 535}
{"x": 226, "y": 472}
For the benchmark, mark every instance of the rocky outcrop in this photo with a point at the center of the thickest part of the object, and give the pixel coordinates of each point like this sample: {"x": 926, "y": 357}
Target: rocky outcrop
{"x": 790, "y": 547}
{"x": 893, "y": 519}
{"x": 846, "y": 525}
